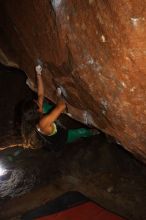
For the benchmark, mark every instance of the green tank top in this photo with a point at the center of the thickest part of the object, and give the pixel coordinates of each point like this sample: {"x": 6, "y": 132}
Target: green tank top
{"x": 47, "y": 107}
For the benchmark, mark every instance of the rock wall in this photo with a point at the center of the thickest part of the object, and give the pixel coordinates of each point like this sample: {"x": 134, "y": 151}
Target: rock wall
{"x": 95, "y": 50}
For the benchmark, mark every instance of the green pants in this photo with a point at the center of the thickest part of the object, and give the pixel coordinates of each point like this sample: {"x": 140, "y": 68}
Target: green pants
{"x": 75, "y": 134}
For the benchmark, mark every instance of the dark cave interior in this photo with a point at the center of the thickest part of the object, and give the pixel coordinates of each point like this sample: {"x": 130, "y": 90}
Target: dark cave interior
{"x": 94, "y": 50}
{"x": 97, "y": 167}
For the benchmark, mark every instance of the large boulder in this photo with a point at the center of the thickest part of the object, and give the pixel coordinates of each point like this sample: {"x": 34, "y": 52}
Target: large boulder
{"x": 94, "y": 50}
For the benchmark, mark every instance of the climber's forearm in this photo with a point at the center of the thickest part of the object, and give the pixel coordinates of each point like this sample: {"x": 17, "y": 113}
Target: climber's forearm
{"x": 40, "y": 86}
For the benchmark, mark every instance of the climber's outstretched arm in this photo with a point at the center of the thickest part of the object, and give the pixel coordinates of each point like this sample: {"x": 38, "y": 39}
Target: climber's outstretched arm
{"x": 40, "y": 88}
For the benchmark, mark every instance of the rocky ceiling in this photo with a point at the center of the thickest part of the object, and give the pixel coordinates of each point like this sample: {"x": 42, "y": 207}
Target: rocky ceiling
{"x": 95, "y": 50}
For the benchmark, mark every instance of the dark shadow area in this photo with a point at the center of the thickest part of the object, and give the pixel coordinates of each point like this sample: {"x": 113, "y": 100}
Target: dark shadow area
{"x": 98, "y": 168}
{"x": 12, "y": 91}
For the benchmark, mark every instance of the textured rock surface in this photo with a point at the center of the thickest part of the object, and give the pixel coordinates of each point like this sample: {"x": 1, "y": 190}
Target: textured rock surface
{"x": 95, "y": 50}
{"x": 116, "y": 182}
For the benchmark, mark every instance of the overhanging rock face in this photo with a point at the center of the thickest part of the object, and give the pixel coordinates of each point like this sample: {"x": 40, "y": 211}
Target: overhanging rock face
{"x": 95, "y": 50}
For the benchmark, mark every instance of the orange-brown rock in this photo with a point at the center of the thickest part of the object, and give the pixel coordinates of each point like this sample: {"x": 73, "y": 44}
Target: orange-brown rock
{"x": 95, "y": 50}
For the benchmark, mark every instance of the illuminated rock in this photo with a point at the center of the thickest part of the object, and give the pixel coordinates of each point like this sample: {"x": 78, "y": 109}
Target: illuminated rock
{"x": 94, "y": 50}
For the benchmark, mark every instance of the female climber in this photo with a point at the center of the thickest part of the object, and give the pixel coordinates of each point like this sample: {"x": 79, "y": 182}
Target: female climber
{"x": 40, "y": 125}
